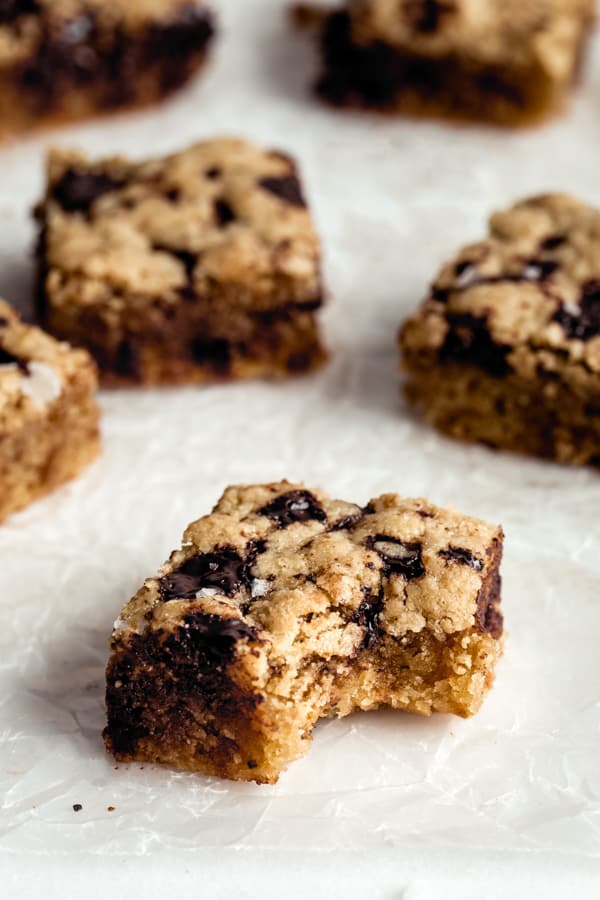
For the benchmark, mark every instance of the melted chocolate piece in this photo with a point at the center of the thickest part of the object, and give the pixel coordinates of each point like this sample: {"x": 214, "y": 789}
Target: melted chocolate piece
{"x": 460, "y": 555}
{"x": 488, "y": 617}
{"x": 347, "y": 522}
{"x": 12, "y": 9}
{"x": 215, "y": 353}
{"x": 552, "y": 242}
{"x": 368, "y": 616}
{"x": 585, "y": 323}
{"x": 399, "y": 557}
{"x": 224, "y": 214}
{"x": 77, "y": 191}
{"x": 9, "y": 359}
{"x": 127, "y": 361}
{"x": 295, "y": 506}
{"x": 468, "y": 341}
{"x": 213, "y": 173}
{"x": 223, "y": 569}
{"x": 287, "y": 188}
{"x": 427, "y": 15}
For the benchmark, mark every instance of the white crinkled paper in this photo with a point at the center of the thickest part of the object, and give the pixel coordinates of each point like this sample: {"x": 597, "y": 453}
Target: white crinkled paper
{"x": 392, "y": 200}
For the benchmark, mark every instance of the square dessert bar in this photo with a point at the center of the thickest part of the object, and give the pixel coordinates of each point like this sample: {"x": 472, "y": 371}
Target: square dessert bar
{"x": 505, "y": 61}
{"x": 198, "y": 267}
{"x": 48, "y": 414}
{"x": 67, "y": 59}
{"x": 285, "y": 606}
{"x": 506, "y": 349}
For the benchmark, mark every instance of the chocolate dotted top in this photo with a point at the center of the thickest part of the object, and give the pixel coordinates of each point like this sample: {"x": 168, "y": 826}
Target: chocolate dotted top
{"x": 223, "y": 222}
{"x": 544, "y": 33}
{"x": 525, "y": 300}
{"x": 300, "y": 573}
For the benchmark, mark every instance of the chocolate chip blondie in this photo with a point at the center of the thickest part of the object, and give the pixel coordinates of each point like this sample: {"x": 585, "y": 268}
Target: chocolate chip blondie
{"x": 503, "y": 61}
{"x": 48, "y": 414}
{"x": 285, "y": 606}
{"x": 195, "y": 268}
{"x": 506, "y": 349}
{"x": 67, "y": 59}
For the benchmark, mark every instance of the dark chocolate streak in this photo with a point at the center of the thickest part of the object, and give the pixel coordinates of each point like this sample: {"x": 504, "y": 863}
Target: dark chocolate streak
{"x": 8, "y": 359}
{"x": 427, "y": 15}
{"x": 534, "y": 270}
{"x": 488, "y": 618}
{"x": 585, "y": 324}
{"x": 409, "y": 562}
{"x": 149, "y": 686}
{"x": 295, "y": 506}
{"x": 224, "y": 569}
{"x": 78, "y": 190}
{"x": 376, "y": 74}
{"x": 469, "y": 341}
{"x": 286, "y": 187}
{"x": 82, "y": 53}
{"x": 368, "y": 616}
{"x": 460, "y": 555}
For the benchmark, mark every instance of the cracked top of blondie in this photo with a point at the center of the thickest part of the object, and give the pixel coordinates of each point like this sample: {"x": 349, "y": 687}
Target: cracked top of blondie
{"x": 34, "y": 370}
{"x": 280, "y": 565}
{"x": 223, "y": 219}
{"x": 547, "y": 31}
{"x": 526, "y": 297}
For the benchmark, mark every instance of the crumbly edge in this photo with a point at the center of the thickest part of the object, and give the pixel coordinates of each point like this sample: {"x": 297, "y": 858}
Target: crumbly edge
{"x": 183, "y": 699}
{"x": 51, "y": 450}
{"x": 445, "y": 89}
{"x": 542, "y": 418}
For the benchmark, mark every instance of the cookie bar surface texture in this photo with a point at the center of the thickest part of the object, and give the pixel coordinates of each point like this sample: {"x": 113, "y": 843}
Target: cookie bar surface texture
{"x": 48, "y": 414}
{"x": 200, "y": 267}
{"x": 67, "y": 59}
{"x": 505, "y": 61}
{"x": 506, "y": 349}
{"x": 285, "y": 606}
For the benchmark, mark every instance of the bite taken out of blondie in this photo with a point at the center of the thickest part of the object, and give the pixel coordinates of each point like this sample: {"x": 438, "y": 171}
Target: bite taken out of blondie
{"x": 285, "y": 606}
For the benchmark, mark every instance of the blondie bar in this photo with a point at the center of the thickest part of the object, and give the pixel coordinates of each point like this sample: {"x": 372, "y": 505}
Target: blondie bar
{"x": 506, "y": 349}
{"x": 195, "y": 268}
{"x": 48, "y": 414}
{"x": 504, "y": 61}
{"x": 285, "y": 606}
{"x": 67, "y": 59}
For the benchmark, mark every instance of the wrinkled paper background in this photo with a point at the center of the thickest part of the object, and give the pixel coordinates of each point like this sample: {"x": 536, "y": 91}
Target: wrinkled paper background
{"x": 392, "y": 200}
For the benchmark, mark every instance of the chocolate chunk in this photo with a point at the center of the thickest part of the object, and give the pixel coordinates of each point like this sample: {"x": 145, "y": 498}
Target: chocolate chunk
{"x": 224, "y": 570}
{"x": 77, "y": 807}
{"x": 469, "y": 341}
{"x": 295, "y": 506}
{"x": 427, "y": 15}
{"x": 77, "y": 191}
{"x": 539, "y": 269}
{"x": 215, "y": 353}
{"x": 347, "y": 522}
{"x": 127, "y": 361}
{"x": 399, "y": 557}
{"x": 224, "y": 214}
{"x": 552, "y": 242}
{"x": 286, "y": 188}
{"x": 12, "y": 9}
{"x": 252, "y": 764}
{"x": 368, "y": 616}
{"x": 9, "y": 359}
{"x": 488, "y": 617}
{"x": 582, "y": 322}
{"x": 460, "y": 555}
{"x": 213, "y": 173}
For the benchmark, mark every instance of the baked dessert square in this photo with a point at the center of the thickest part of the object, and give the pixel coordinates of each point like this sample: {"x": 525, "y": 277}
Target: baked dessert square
{"x": 199, "y": 267}
{"x": 503, "y": 61}
{"x": 67, "y": 59}
{"x": 48, "y": 414}
{"x": 284, "y": 606}
{"x": 506, "y": 348}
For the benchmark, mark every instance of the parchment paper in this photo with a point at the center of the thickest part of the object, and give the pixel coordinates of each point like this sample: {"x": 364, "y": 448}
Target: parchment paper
{"x": 392, "y": 200}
